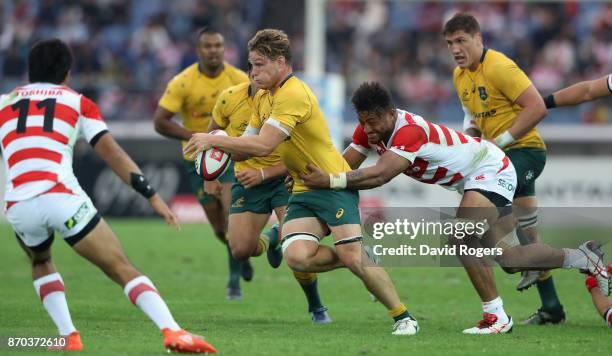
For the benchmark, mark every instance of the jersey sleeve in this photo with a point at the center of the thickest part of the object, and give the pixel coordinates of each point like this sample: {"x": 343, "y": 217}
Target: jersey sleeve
{"x": 290, "y": 108}
{"x": 92, "y": 123}
{"x": 221, "y": 110}
{"x": 407, "y": 142}
{"x": 509, "y": 79}
{"x": 360, "y": 141}
{"x": 174, "y": 96}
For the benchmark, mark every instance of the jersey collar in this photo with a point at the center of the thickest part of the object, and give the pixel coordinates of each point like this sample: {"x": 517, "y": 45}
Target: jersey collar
{"x": 286, "y": 79}
{"x": 484, "y": 52}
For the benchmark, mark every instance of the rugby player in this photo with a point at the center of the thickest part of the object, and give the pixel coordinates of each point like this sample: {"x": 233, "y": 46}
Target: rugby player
{"x": 434, "y": 154}
{"x": 288, "y": 117}
{"x": 193, "y": 94}
{"x": 502, "y": 105}
{"x": 258, "y": 191}
{"x": 39, "y": 125}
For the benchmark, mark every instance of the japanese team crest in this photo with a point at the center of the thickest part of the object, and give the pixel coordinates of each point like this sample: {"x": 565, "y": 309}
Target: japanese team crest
{"x": 483, "y": 93}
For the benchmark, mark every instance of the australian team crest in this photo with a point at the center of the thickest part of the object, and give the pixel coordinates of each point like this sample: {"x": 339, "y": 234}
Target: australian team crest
{"x": 483, "y": 93}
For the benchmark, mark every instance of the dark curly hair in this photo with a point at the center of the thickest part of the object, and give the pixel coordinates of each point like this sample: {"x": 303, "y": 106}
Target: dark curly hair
{"x": 371, "y": 96}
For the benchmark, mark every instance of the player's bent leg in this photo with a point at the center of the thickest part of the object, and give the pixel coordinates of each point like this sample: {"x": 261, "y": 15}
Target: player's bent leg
{"x": 49, "y": 287}
{"x": 551, "y": 312}
{"x": 218, "y": 220}
{"x": 301, "y": 249}
{"x": 348, "y": 242}
{"x": 227, "y": 180}
{"x": 475, "y": 206}
{"x": 101, "y": 247}
{"x": 309, "y": 283}
{"x": 244, "y": 234}
{"x": 308, "y": 280}
{"x": 275, "y": 252}
{"x": 30, "y": 219}
{"x": 526, "y": 212}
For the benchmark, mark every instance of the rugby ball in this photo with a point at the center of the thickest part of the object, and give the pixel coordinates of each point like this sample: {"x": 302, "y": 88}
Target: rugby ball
{"x": 212, "y": 163}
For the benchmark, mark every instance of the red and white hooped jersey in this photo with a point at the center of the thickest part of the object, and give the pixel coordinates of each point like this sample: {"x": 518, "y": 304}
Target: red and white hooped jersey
{"x": 439, "y": 155}
{"x": 39, "y": 125}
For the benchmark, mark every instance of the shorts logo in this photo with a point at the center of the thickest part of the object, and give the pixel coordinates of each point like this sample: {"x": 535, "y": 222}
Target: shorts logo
{"x": 529, "y": 175}
{"x": 480, "y": 177}
{"x": 506, "y": 185}
{"x": 339, "y": 213}
{"x": 239, "y": 203}
{"x": 483, "y": 93}
{"x": 78, "y": 216}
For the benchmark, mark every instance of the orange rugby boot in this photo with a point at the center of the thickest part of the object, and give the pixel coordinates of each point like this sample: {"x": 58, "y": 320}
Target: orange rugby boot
{"x": 184, "y": 342}
{"x": 72, "y": 343}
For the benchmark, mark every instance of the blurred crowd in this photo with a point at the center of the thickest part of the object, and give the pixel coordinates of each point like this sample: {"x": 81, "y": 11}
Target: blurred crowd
{"x": 126, "y": 51}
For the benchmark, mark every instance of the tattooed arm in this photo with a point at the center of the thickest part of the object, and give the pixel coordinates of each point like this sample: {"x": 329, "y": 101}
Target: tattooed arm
{"x": 388, "y": 166}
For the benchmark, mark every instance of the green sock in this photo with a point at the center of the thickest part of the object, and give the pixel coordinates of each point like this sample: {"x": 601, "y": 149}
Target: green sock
{"x": 548, "y": 295}
{"x": 403, "y": 315}
{"x": 234, "y": 268}
{"x": 311, "y": 291}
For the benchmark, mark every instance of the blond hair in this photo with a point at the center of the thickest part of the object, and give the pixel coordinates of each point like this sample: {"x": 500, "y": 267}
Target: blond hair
{"x": 271, "y": 43}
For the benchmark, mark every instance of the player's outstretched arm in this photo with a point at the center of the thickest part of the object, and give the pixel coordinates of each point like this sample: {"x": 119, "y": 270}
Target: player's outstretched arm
{"x": 260, "y": 145}
{"x": 119, "y": 161}
{"x": 533, "y": 112}
{"x": 164, "y": 125}
{"x": 388, "y": 166}
{"x": 580, "y": 92}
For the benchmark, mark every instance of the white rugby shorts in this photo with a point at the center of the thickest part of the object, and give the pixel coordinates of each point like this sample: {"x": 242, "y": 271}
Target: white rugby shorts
{"x": 34, "y": 220}
{"x": 497, "y": 177}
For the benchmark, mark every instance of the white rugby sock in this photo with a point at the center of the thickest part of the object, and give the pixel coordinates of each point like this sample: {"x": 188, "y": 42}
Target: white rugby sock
{"x": 143, "y": 294}
{"x": 496, "y": 306}
{"x": 50, "y": 290}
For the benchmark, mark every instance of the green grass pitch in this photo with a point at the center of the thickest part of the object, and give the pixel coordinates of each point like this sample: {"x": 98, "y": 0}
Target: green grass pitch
{"x": 189, "y": 269}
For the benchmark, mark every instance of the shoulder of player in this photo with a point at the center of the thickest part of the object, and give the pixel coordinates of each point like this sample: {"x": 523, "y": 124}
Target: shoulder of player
{"x": 236, "y": 91}
{"x": 186, "y": 76}
{"x": 495, "y": 61}
{"x": 457, "y": 72}
{"x": 231, "y": 97}
{"x": 295, "y": 88}
{"x": 236, "y": 75}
